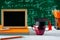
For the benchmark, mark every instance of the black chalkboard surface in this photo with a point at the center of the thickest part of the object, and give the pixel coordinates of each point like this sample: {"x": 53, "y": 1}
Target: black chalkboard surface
{"x": 14, "y": 18}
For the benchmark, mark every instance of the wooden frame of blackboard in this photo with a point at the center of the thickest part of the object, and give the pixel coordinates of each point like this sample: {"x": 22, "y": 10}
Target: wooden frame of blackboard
{"x": 2, "y": 17}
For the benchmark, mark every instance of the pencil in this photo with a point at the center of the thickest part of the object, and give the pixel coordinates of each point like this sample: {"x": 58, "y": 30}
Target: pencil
{"x": 11, "y": 37}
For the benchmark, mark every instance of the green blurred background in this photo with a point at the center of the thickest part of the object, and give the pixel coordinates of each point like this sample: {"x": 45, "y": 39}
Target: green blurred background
{"x": 35, "y": 8}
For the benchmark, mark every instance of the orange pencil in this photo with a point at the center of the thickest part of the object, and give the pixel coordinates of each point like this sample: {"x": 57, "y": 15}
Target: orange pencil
{"x": 11, "y": 37}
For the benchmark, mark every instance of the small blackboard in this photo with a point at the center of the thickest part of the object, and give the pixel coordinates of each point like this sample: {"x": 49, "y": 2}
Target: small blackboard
{"x": 14, "y": 18}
